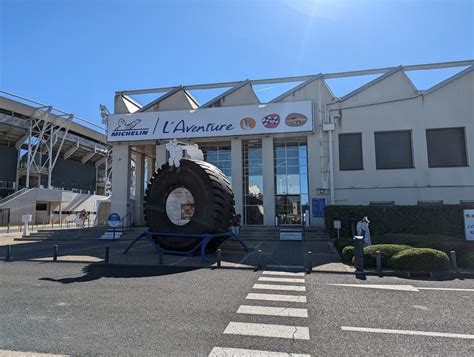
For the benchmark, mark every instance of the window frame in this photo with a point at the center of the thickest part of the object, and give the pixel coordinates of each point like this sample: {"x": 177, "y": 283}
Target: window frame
{"x": 466, "y": 159}
{"x": 361, "y": 151}
{"x": 410, "y": 132}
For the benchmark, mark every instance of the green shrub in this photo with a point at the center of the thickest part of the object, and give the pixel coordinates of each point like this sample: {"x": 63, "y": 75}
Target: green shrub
{"x": 341, "y": 243}
{"x": 421, "y": 259}
{"x": 466, "y": 261}
{"x": 386, "y": 253}
{"x": 347, "y": 254}
{"x": 414, "y": 219}
{"x": 435, "y": 241}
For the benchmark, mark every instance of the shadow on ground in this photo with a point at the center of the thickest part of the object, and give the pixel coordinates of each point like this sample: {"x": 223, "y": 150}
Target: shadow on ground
{"x": 97, "y": 271}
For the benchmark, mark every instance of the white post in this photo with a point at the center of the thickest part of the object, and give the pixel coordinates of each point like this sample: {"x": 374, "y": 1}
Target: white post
{"x": 120, "y": 178}
{"x": 139, "y": 189}
{"x": 28, "y": 159}
{"x": 236, "y": 170}
{"x": 268, "y": 182}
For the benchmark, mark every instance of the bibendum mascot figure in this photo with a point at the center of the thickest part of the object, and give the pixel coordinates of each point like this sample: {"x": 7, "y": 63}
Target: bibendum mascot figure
{"x": 363, "y": 230}
{"x": 176, "y": 152}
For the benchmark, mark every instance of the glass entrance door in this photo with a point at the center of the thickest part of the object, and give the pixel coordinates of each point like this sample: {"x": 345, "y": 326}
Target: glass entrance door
{"x": 288, "y": 209}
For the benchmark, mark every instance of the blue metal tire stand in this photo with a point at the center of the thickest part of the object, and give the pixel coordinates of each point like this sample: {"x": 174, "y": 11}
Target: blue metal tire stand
{"x": 205, "y": 239}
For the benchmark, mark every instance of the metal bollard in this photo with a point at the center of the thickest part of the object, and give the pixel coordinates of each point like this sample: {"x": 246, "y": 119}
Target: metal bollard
{"x": 8, "y": 254}
{"x": 454, "y": 262}
{"x": 55, "y": 253}
{"x": 359, "y": 252}
{"x": 378, "y": 262}
{"x": 160, "y": 255}
{"x": 106, "y": 257}
{"x": 219, "y": 257}
{"x": 259, "y": 260}
{"x": 310, "y": 262}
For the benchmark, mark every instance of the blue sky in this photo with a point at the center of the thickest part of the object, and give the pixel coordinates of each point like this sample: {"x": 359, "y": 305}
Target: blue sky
{"x": 74, "y": 54}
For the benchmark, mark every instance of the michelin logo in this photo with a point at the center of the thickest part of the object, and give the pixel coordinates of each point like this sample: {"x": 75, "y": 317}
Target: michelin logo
{"x": 129, "y": 129}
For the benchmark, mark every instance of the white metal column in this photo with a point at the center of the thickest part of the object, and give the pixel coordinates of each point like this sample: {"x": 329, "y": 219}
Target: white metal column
{"x": 236, "y": 157}
{"x": 268, "y": 182}
{"x": 120, "y": 178}
{"x": 139, "y": 189}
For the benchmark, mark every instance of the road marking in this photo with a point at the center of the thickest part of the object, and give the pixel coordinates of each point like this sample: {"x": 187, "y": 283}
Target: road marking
{"x": 281, "y": 280}
{"x": 408, "y": 332}
{"x": 7, "y": 353}
{"x": 445, "y": 289}
{"x": 279, "y": 287}
{"x": 272, "y": 311}
{"x": 267, "y": 330}
{"x": 282, "y": 266}
{"x": 239, "y": 352}
{"x": 283, "y": 273}
{"x": 400, "y": 287}
{"x": 384, "y": 287}
{"x": 276, "y": 297}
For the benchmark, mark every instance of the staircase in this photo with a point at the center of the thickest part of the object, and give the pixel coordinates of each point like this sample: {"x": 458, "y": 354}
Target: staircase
{"x": 259, "y": 233}
{"x": 283, "y": 233}
{"x": 92, "y": 233}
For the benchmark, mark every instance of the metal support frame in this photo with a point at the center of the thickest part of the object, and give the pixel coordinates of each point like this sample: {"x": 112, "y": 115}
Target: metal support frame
{"x": 205, "y": 239}
{"x": 42, "y": 138}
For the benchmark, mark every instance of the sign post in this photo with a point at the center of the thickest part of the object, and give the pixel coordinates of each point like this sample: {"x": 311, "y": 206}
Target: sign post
{"x": 114, "y": 221}
{"x": 469, "y": 224}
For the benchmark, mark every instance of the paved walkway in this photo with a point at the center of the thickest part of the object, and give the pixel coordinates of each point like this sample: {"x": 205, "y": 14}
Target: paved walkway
{"x": 276, "y": 255}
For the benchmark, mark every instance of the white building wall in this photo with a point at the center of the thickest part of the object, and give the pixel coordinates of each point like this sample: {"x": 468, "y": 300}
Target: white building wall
{"x": 449, "y": 106}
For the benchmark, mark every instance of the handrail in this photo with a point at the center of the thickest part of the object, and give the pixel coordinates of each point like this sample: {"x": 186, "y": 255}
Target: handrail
{"x": 122, "y": 220}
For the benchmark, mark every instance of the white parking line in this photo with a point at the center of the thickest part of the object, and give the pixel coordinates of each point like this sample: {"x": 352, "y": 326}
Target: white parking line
{"x": 239, "y": 352}
{"x": 7, "y": 353}
{"x": 282, "y": 273}
{"x": 445, "y": 289}
{"x": 267, "y": 330}
{"x": 281, "y": 280}
{"x": 272, "y": 311}
{"x": 276, "y": 297}
{"x": 279, "y": 287}
{"x": 408, "y": 332}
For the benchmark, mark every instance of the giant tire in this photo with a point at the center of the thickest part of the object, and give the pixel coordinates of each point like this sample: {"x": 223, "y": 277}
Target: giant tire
{"x": 213, "y": 203}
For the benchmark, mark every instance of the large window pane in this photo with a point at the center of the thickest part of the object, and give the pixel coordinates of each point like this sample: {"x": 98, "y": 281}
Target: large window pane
{"x": 393, "y": 150}
{"x": 446, "y": 147}
{"x": 350, "y": 151}
{"x": 252, "y": 176}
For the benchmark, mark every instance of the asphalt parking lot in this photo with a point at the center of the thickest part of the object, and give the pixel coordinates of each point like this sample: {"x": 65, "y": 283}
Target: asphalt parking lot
{"x": 107, "y": 310}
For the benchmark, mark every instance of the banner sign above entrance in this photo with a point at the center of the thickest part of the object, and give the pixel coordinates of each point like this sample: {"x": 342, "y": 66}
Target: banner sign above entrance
{"x": 289, "y": 117}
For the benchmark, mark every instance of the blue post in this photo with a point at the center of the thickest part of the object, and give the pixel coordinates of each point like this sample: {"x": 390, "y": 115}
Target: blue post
{"x": 113, "y": 238}
{"x": 7, "y": 256}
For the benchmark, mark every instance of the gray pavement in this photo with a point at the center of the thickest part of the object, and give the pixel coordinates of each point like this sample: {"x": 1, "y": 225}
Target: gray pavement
{"x": 109, "y": 310}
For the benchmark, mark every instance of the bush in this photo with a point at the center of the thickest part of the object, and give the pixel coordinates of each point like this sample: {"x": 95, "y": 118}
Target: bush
{"x": 386, "y": 253}
{"x": 341, "y": 243}
{"x": 421, "y": 259}
{"x": 435, "y": 241}
{"x": 415, "y": 219}
{"x": 466, "y": 261}
{"x": 347, "y": 254}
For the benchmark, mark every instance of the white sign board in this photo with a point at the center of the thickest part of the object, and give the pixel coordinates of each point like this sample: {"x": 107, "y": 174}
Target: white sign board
{"x": 207, "y": 122}
{"x": 469, "y": 223}
{"x": 26, "y": 218}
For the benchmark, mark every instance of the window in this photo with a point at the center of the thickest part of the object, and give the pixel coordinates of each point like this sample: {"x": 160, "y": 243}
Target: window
{"x": 393, "y": 150}
{"x": 219, "y": 155}
{"x": 446, "y": 147}
{"x": 252, "y": 179}
{"x": 350, "y": 151}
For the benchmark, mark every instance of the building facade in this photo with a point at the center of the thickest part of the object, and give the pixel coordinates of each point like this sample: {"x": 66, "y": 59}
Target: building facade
{"x": 384, "y": 143}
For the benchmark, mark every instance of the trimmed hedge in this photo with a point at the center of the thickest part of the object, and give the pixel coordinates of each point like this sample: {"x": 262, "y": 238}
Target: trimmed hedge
{"x": 415, "y": 219}
{"x": 341, "y": 243}
{"x": 421, "y": 259}
{"x": 347, "y": 254}
{"x": 387, "y": 251}
{"x": 467, "y": 261}
{"x": 435, "y": 241}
